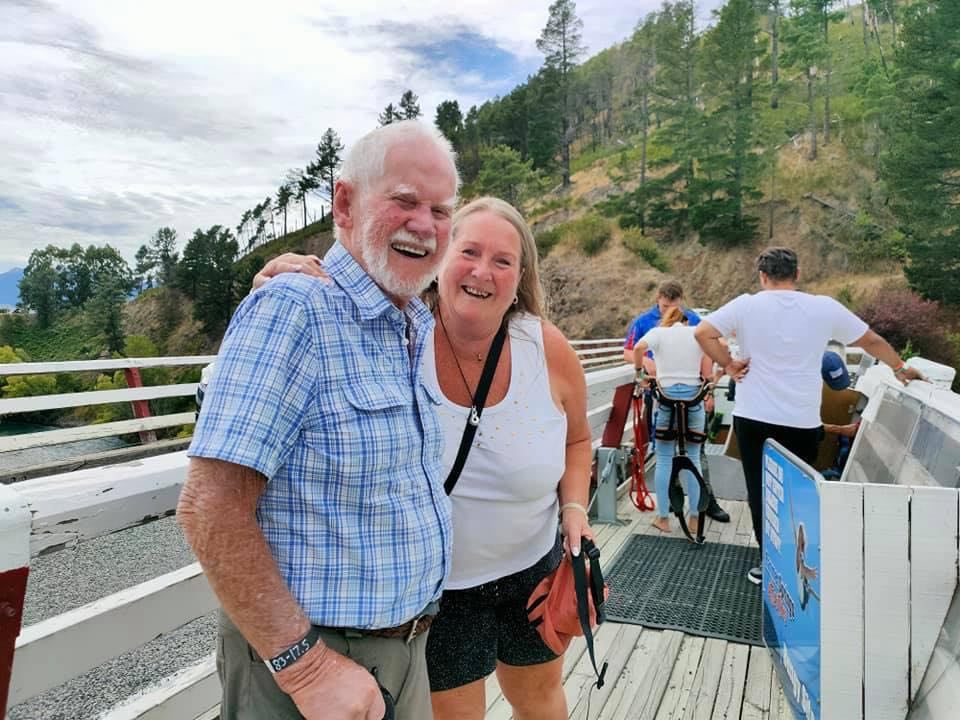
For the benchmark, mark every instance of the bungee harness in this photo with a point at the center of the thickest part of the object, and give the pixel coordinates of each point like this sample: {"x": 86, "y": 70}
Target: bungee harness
{"x": 678, "y": 429}
{"x": 639, "y": 494}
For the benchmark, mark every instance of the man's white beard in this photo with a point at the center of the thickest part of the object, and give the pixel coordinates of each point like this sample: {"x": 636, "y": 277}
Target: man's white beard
{"x": 376, "y": 257}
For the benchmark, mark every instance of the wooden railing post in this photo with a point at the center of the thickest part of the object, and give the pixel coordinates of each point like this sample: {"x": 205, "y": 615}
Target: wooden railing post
{"x": 141, "y": 408}
{"x": 14, "y": 568}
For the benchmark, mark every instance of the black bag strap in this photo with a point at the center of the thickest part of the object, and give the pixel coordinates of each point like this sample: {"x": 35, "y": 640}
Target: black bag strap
{"x": 479, "y": 398}
{"x": 591, "y": 551}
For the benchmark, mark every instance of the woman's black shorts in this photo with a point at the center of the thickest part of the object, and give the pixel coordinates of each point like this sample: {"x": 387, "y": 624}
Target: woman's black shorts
{"x": 478, "y": 626}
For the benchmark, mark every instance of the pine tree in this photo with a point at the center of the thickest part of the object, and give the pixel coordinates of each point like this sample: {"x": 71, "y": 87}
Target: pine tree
{"x": 389, "y": 115}
{"x": 329, "y": 159}
{"x": 207, "y": 275}
{"x": 728, "y": 163}
{"x": 409, "y": 105}
{"x": 449, "y": 121}
{"x": 544, "y": 128}
{"x": 561, "y": 43}
{"x": 284, "y": 196}
{"x": 676, "y": 91}
{"x": 922, "y": 164}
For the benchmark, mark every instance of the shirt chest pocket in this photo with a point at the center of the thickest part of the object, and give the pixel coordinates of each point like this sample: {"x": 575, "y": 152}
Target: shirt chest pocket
{"x": 369, "y": 428}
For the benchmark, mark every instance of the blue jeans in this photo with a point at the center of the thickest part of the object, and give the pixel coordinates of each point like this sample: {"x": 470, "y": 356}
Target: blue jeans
{"x": 665, "y": 449}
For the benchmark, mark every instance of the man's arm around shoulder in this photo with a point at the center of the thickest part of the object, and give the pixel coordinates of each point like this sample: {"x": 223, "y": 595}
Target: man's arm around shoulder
{"x": 217, "y": 510}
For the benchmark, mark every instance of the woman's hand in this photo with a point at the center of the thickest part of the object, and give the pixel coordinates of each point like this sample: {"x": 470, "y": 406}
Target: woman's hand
{"x": 290, "y": 262}
{"x": 576, "y": 525}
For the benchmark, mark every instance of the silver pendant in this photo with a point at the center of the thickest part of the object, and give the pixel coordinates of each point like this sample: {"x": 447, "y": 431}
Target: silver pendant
{"x": 474, "y": 418}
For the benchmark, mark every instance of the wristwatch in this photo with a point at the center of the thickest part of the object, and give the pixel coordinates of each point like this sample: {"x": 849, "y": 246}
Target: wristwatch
{"x": 293, "y": 653}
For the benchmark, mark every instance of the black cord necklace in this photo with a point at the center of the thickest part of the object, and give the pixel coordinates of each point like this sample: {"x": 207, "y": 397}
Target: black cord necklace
{"x": 474, "y": 416}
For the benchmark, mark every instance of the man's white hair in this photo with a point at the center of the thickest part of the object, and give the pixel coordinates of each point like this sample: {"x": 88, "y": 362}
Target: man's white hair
{"x": 365, "y": 158}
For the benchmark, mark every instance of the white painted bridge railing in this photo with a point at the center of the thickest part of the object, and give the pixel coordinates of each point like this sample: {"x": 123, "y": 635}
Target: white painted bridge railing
{"x": 594, "y": 354}
{"x": 135, "y": 393}
{"x": 59, "y": 511}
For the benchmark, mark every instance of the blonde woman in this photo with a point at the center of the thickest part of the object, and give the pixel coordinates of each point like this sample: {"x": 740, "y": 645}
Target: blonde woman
{"x": 681, "y": 367}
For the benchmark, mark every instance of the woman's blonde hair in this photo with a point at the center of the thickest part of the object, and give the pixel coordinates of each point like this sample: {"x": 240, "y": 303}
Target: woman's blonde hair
{"x": 672, "y": 316}
{"x": 530, "y": 293}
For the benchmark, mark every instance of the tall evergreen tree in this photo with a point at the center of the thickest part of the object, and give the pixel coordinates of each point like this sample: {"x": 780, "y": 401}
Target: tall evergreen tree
{"x": 39, "y": 289}
{"x": 164, "y": 245}
{"x": 774, "y": 10}
{"x": 389, "y": 115}
{"x": 410, "y": 105}
{"x": 728, "y": 163}
{"x": 284, "y": 196}
{"x": 644, "y": 46}
{"x": 807, "y": 50}
{"x": 676, "y": 92}
{"x": 105, "y": 313}
{"x": 470, "y": 152}
{"x": 207, "y": 275}
{"x": 449, "y": 121}
{"x": 301, "y": 183}
{"x": 327, "y": 164}
{"x": 922, "y": 165}
{"x": 544, "y": 126}
{"x": 561, "y": 43}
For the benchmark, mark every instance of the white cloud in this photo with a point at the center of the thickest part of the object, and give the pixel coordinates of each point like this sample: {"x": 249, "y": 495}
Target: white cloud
{"x": 117, "y": 118}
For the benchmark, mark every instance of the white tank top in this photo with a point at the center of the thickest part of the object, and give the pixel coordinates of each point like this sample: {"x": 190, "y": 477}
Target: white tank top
{"x": 505, "y": 502}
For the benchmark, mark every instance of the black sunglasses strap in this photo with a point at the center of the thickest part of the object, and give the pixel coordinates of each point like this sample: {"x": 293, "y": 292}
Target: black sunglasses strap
{"x": 479, "y": 398}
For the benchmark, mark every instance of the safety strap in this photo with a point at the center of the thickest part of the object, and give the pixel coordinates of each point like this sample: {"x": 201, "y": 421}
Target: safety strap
{"x": 479, "y": 399}
{"x": 590, "y": 551}
{"x": 678, "y": 428}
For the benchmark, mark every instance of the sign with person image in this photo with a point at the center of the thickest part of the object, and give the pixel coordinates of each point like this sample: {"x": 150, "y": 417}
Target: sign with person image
{"x": 791, "y": 581}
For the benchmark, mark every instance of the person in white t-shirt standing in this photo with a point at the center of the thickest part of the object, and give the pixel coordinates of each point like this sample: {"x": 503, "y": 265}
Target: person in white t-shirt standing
{"x": 782, "y": 334}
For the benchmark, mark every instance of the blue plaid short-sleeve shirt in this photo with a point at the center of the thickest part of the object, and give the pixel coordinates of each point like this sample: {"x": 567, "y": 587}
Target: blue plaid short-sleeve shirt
{"x": 316, "y": 387}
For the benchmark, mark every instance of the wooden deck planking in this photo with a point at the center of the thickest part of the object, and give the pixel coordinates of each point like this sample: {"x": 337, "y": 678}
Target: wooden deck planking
{"x": 733, "y": 676}
{"x": 665, "y": 674}
{"x": 756, "y": 694}
{"x": 703, "y": 692}
{"x": 674, "y": 703}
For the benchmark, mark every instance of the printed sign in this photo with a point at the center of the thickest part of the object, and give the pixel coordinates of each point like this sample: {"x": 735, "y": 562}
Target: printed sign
{"x": 791, "y": 576}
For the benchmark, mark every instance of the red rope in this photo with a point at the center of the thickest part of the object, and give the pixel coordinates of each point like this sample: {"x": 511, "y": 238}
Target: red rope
{"x": 641, "y": 496}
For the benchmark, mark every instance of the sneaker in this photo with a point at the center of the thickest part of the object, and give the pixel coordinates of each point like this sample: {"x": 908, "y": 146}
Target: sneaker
{"x": 715, "y": 512}
{"x": 755, "y": 575}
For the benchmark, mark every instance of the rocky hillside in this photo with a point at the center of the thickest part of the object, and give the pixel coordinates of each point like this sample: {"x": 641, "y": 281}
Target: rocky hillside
{"x": 596, "y": 296}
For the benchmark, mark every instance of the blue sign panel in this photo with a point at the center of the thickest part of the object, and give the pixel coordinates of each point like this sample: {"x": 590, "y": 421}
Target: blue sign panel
{"x": 791, "y": 576}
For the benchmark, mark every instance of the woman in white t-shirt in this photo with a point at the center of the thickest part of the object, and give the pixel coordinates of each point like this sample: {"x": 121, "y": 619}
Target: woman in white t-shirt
{"x": 681, "y": 367}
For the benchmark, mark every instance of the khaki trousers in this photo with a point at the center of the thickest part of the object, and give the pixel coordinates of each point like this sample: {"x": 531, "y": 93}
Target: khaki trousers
{"x": 250, "y": 693}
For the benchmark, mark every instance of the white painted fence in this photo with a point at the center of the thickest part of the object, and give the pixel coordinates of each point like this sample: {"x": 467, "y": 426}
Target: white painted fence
{"x": 889, "y": 549}
{"x": 75, "y": 507}
{"x": 11, "y": 406}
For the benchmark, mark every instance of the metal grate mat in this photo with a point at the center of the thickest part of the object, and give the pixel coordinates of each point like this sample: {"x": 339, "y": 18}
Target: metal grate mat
{"x": 670, "y": 583}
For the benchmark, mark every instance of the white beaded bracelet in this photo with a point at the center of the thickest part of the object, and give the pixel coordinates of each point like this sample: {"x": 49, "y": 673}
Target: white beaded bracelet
{"x": 574, "y": 506}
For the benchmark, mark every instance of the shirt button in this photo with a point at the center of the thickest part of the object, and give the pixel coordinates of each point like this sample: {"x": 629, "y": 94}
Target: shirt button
{"x": 406, "y": 342}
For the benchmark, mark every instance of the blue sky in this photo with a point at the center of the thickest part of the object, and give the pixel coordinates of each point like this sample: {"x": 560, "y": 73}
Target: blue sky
{"x": 119, "y": 118}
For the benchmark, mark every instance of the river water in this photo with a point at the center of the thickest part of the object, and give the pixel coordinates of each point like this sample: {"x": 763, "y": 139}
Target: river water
{"x": 19, "y": 459}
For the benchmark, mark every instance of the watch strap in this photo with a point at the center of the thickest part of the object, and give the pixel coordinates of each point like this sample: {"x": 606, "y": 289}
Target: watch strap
{"x": 293, "y": 653}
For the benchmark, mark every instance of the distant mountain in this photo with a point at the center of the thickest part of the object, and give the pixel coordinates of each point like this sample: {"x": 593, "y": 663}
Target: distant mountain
{"x": 9, "y": 292}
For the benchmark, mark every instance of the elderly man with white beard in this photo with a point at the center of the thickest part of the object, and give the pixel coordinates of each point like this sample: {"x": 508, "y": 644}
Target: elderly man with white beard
{"x": 314, "y": 499}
